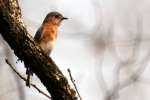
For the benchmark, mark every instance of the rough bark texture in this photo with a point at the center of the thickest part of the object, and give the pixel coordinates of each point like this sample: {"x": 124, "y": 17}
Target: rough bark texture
{"x": 14, "y": 32}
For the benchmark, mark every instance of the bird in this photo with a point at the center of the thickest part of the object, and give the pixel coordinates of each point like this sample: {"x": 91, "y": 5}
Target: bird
{"x": 46, "y": 36}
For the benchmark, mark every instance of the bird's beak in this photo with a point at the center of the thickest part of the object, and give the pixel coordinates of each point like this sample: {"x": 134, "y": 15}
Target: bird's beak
{"x": 64, "y": 18}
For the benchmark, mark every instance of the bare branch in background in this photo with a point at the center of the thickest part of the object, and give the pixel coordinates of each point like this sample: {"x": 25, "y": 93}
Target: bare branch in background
{"x": 17, "y": 86}
{"x": 113, "y": 94}
{"x": 23, "y": 78}
{"x": 105, "y": 41}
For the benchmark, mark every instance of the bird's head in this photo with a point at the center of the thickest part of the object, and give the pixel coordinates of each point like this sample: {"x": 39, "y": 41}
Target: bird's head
{"x": 55, "y": 18}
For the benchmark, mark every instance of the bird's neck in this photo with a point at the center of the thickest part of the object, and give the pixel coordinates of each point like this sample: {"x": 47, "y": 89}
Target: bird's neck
{"x": 50, "y": 25}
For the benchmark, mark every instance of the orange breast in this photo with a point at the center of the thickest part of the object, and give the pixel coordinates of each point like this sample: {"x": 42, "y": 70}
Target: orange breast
{"x": 49, "y": 32}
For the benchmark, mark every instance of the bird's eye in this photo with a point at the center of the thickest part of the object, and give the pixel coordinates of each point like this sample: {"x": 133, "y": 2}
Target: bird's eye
{"x": 56, "y": 16}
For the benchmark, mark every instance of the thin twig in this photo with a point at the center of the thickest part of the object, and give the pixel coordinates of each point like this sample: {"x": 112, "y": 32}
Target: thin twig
{"x": 73, "y": 82}
{"x": 23, "y": 78}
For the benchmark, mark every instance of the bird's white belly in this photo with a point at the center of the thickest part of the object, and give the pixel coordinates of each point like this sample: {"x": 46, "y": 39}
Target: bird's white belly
{"x": 47, "y": 47}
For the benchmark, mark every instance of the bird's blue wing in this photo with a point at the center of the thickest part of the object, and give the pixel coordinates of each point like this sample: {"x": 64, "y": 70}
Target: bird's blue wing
{"x": 38, "y": 34}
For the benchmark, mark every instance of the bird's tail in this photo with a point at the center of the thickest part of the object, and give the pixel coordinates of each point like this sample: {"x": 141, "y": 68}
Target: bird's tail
{"x": 29, "y": 76}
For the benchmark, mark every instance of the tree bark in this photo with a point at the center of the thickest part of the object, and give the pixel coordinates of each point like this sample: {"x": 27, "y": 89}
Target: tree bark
{"x": 15, "y": 34}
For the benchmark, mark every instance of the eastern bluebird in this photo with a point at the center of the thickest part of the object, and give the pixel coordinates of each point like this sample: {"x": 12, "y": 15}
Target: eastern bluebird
{"x": 46, "y": 36}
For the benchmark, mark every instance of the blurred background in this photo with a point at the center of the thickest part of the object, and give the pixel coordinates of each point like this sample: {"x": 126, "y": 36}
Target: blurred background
{"x": 105, "y": 43}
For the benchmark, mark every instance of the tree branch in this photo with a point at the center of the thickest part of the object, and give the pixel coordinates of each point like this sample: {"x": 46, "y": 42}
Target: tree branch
{"x": 15, "y": 34}
{"x": 74, "y": 84}
{"x": 23, "y": 78}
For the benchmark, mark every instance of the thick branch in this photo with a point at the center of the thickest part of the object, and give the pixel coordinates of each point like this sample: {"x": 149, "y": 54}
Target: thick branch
{"x": 13, "y": 31}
